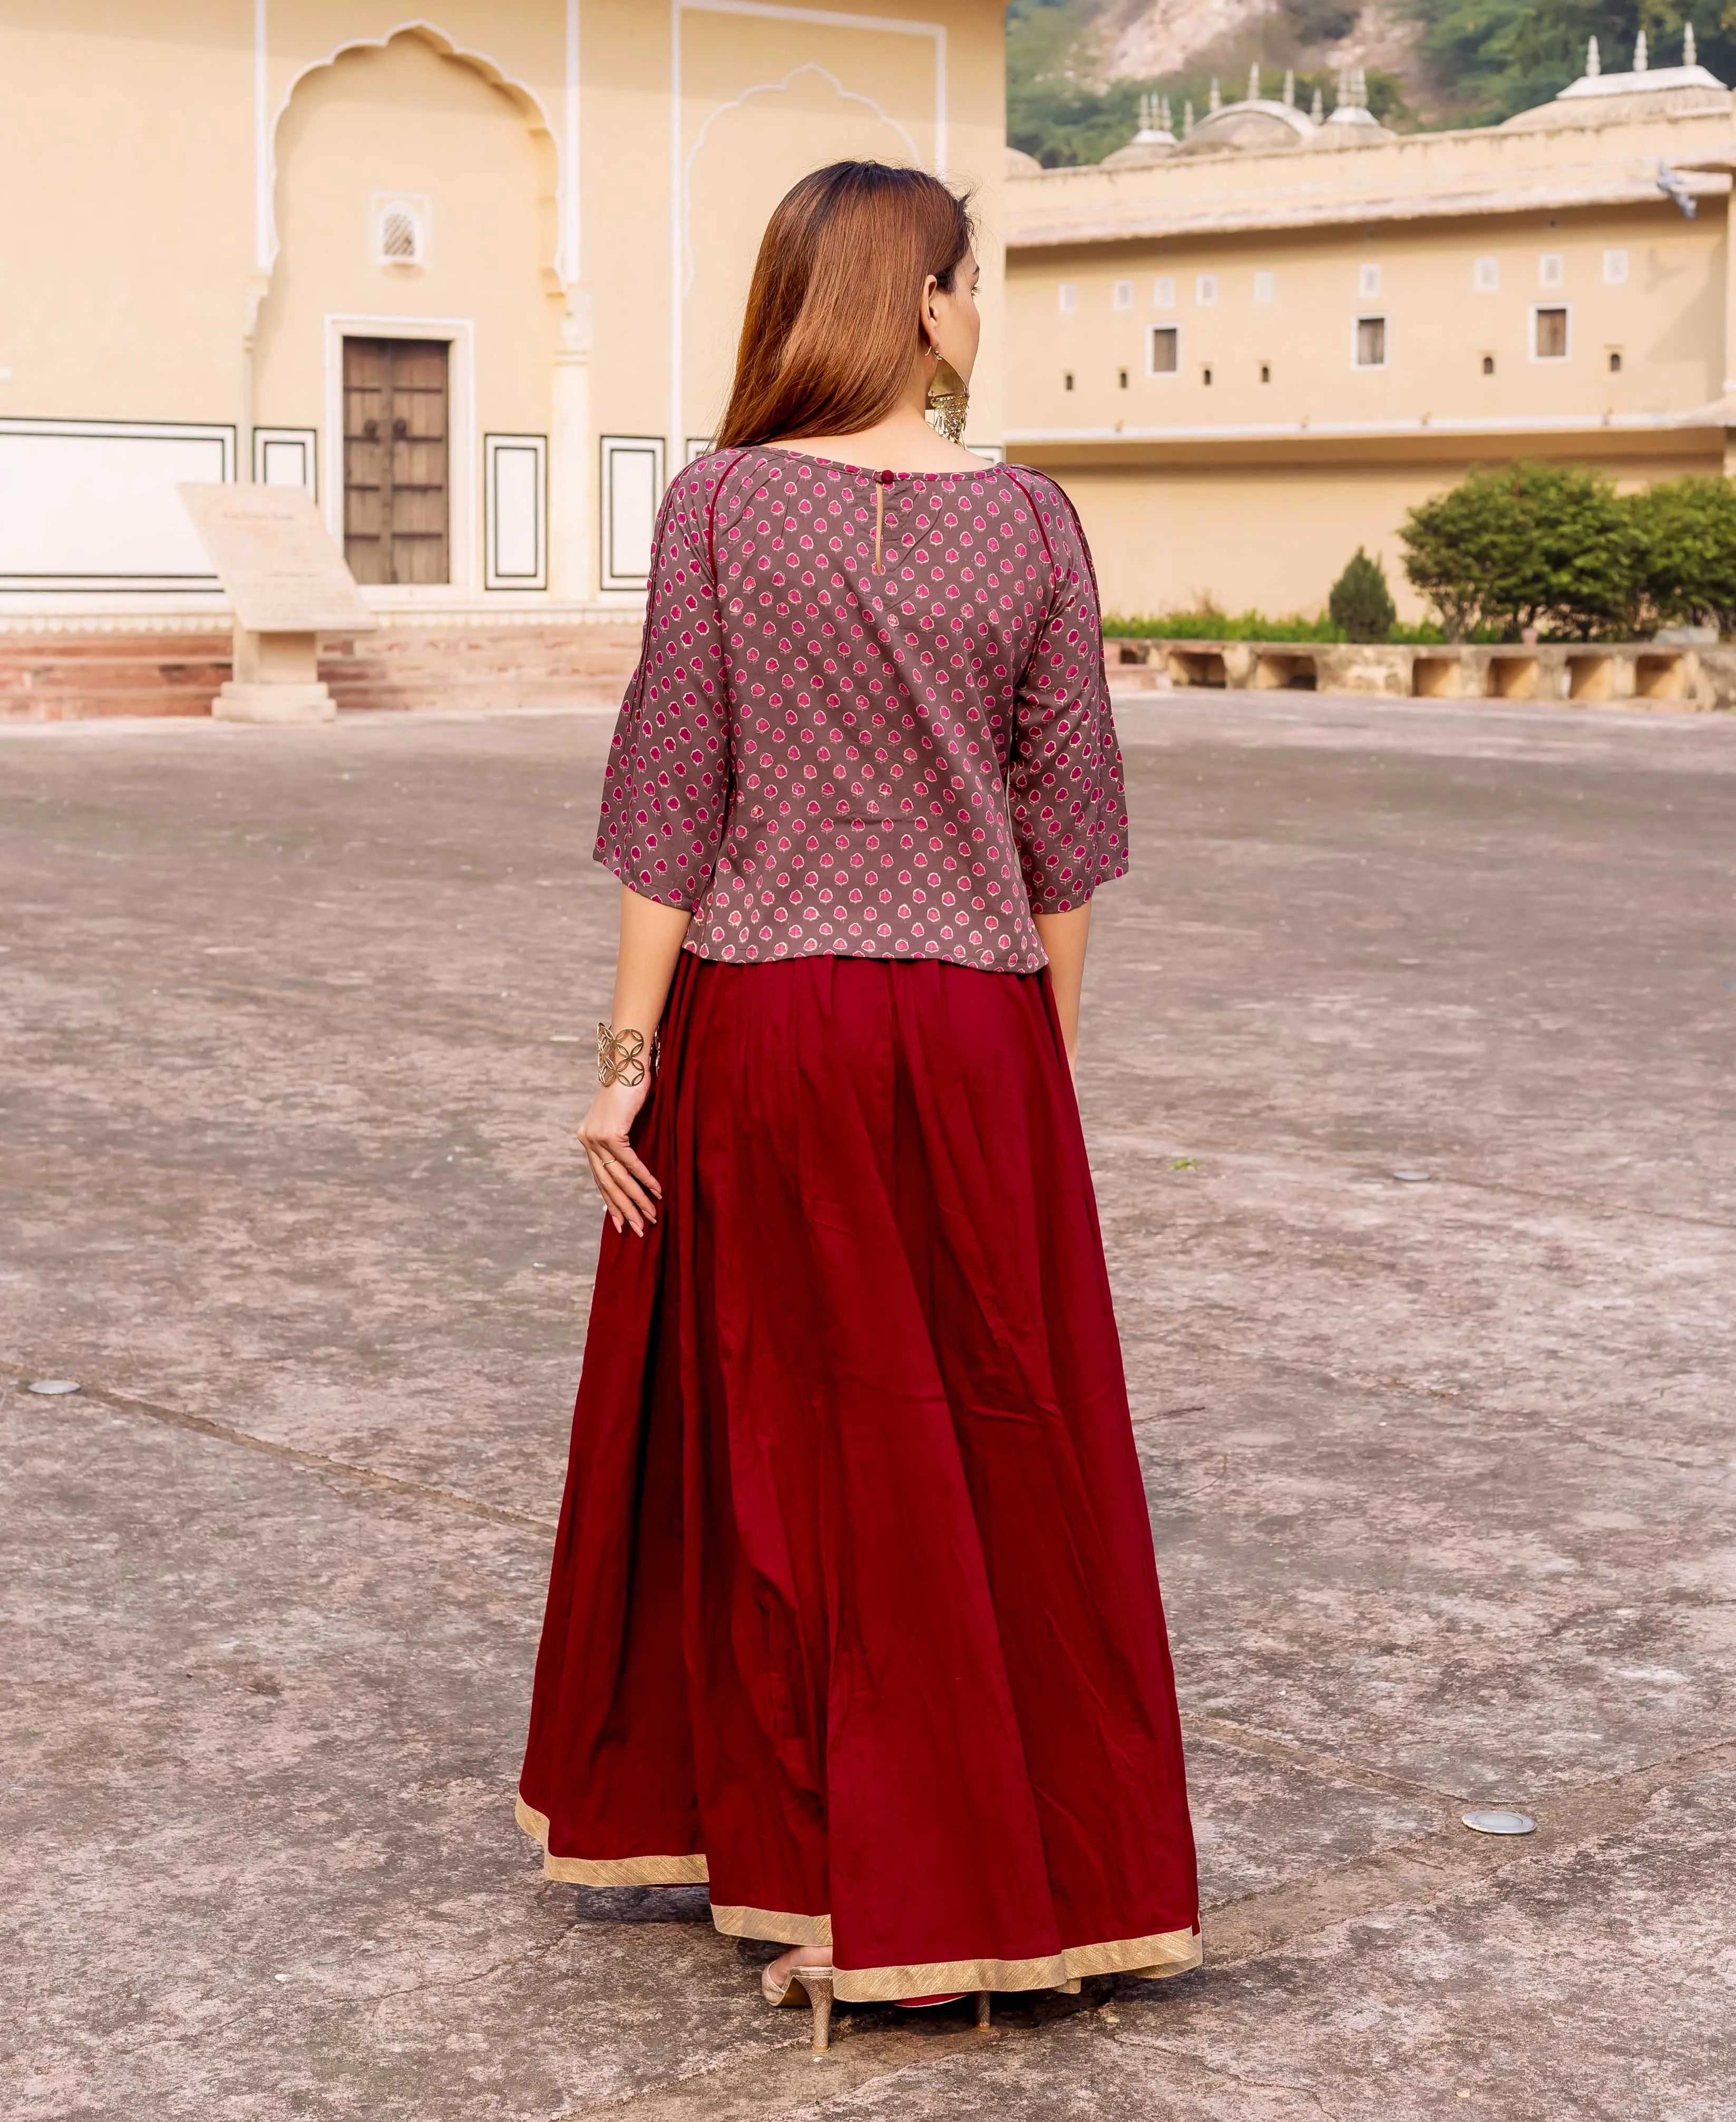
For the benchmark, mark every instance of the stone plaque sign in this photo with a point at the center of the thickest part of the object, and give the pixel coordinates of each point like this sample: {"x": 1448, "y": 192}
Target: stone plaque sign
{"x": 278, "y": 561}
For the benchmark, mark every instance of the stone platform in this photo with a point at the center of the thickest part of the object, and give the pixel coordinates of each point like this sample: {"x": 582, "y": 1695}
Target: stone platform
{"x": 82, "y": 676}
{"x": 1439, "y": 1465}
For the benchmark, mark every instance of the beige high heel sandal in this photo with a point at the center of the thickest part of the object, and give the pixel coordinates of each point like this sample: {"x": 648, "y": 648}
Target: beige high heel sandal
{"x": 811, "y": 1986}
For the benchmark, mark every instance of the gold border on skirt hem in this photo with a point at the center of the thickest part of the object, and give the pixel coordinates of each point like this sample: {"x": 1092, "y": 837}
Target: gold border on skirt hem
{"x": 772, "y": 1926}
{"x": 1168, "y": 1952}
{"x": 1171, "y": 1952}
{"x": 615, "y": 1871}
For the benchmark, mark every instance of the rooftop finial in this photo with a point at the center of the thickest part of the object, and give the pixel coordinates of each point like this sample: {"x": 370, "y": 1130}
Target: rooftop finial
{"x": 1163, "y": 108}
{"x": 1215, "y": 101}
{"x": 1593, "y": 60}
{"x": 1690, "y": 56}
{"x": 1253, "y": 83}
{"x": 1187, "y": 118}
{"x": 1317, "y": 112}
{"x": 1640, "y": 61}
{"x": 1289, "y": 86}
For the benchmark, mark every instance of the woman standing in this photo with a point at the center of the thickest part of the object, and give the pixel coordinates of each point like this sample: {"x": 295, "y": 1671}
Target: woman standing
{"x": 854, "y": 1613}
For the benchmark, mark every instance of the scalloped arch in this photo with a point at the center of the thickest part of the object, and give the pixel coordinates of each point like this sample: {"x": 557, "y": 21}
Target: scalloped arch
{"x": 529, "y": 103}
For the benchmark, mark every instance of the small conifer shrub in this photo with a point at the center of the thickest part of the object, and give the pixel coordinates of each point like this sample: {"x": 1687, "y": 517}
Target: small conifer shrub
{"x": 1361, "y": 601}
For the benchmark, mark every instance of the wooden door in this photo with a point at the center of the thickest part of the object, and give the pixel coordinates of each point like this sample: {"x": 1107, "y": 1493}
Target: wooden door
{"x": 395, "y": 514}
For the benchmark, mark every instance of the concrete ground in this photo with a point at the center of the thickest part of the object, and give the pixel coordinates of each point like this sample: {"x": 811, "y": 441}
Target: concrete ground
{"x": 1441, "y": 1467}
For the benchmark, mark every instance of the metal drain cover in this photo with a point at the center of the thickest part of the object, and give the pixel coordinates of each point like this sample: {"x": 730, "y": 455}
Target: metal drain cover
{"x": 1495, "y": 1821}
{"x": 53, "y": 1385}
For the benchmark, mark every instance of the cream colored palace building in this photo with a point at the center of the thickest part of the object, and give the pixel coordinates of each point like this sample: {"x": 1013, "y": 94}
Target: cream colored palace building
{"x": 471, "y": 277}
{"x": 1248, "y": 351}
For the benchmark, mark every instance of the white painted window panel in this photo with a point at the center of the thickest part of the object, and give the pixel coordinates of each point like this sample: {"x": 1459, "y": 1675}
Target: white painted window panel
{"x": 516, "y": 498}
{"x": 1615, "y": 268}
{"x": 633, "y": 485}
{"x": 285, "y": 456}
{"x": 1486, "y": 276}
{"x": 1368, "y": 280}
{"x": 92, "y": 505}
{"x": 1550, "y": 271}
{"x": 1068, "y": 296}
{"x": 1163, "y": 293}
{"x": 1206, "y": 290}
{"x": 1266, "y": 287}
{"x": 1121, "y": 295}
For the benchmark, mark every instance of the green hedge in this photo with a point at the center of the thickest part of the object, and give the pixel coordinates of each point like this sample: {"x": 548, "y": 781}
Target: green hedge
{"x": 1555, "y": 548}
{"x": 1526, "y": 547}
{"x": 1209, "y": 625}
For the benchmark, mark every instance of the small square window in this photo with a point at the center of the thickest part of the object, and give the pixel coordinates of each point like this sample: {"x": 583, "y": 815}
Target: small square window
{"x": 1266, "y": 287}
{"x": 1615, "y": 361}
{"x": 1163, "y": 293}
{"x": 1368, "y": 280}
{"x": 1549, "y": 334}
{"x": 1121, "y": 295}
{"x": 1550, "y": 271}
{"x": 1206, "y": 290}
{"x": 1615, "y": 268}
{"x": 1266, "y": 372}
{"x": 1164, "y": 357}
{"x": 1488, "y": 364}
{"x": 1121, "y": 375}
{"x": 1485, "y": 275}
{"x": 1068, "y": 292}
{"x": 1067, "y": 380}
{"x": 1206, "y": 376}
{"x": 1371, "y": 341}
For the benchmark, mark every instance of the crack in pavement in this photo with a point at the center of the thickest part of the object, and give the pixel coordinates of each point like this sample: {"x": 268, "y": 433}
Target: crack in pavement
{"x": 1602, "y": 1211}
{"x": 316, "y": 1462}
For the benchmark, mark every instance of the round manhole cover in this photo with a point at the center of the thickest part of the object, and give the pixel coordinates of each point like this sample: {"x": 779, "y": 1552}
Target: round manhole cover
{"x": 1496, "y": 1820}
{"x": 53, "y": 1385}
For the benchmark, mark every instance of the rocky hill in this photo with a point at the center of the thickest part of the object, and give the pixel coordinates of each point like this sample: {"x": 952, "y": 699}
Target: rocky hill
{"x": 1075, "y": 68}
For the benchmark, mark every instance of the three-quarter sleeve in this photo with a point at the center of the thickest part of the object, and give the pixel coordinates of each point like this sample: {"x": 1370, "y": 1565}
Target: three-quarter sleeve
{"x": 666, "y": 791}
{"x": 1064, "y": 782}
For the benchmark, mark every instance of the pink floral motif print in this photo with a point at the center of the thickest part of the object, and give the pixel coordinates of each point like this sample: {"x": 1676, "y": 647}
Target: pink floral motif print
{"x": 894, "y": 751}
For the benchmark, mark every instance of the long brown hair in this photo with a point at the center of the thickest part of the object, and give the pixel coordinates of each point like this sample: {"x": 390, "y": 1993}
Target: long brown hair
{"x": 831, "y": 321}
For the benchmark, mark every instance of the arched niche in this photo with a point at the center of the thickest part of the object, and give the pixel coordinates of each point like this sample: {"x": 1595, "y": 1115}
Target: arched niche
{"x": 743, "y": 158}
{"x": 411, "y": 120}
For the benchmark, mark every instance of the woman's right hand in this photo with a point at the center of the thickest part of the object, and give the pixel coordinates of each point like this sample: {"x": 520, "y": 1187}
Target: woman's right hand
{"x": 630, "y": 1193}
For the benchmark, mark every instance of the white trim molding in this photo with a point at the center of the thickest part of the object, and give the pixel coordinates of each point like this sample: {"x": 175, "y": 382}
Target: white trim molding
{"x": 515, "y": 511}
{"x": 459, "y": 333}
{"x": 286, "y": 456}
{"x": 681, "y": 161}
{"x": 1712, "y": 418}
{"x": 622, "y": 569}
{"x": 91, "y": 506}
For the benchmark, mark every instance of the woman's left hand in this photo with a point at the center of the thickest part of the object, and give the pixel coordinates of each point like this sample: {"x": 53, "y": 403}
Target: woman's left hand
{"x": 630, "y": 1192}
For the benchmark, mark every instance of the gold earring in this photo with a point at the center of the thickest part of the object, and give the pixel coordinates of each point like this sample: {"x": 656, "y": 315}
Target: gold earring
{"x": 948, "y": 398}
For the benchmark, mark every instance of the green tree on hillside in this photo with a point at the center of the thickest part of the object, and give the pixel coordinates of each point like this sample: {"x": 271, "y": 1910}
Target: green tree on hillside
{"x": 1495, "y": 57}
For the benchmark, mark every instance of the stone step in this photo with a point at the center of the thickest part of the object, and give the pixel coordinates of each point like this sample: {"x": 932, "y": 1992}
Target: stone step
{"x": 60, "y": 678}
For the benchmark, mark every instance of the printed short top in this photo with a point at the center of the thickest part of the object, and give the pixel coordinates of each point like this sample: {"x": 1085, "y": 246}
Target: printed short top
{"x": 870, "y": 715}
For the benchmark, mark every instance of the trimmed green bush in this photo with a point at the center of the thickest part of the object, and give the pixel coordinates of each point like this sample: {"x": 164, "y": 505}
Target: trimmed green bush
{"x": 1527, "y": 544}
{"x": 1360, "y": 602}
{"x": 1685, "y": 538}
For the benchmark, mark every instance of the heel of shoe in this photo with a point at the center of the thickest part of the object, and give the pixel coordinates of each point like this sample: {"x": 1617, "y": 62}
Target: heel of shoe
{"x": 819, "y": 1988}
{"x": 983, "y": 2005}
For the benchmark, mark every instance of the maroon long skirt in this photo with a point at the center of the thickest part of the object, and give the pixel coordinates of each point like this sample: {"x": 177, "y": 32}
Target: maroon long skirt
{"x": 854, "y": 1613}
